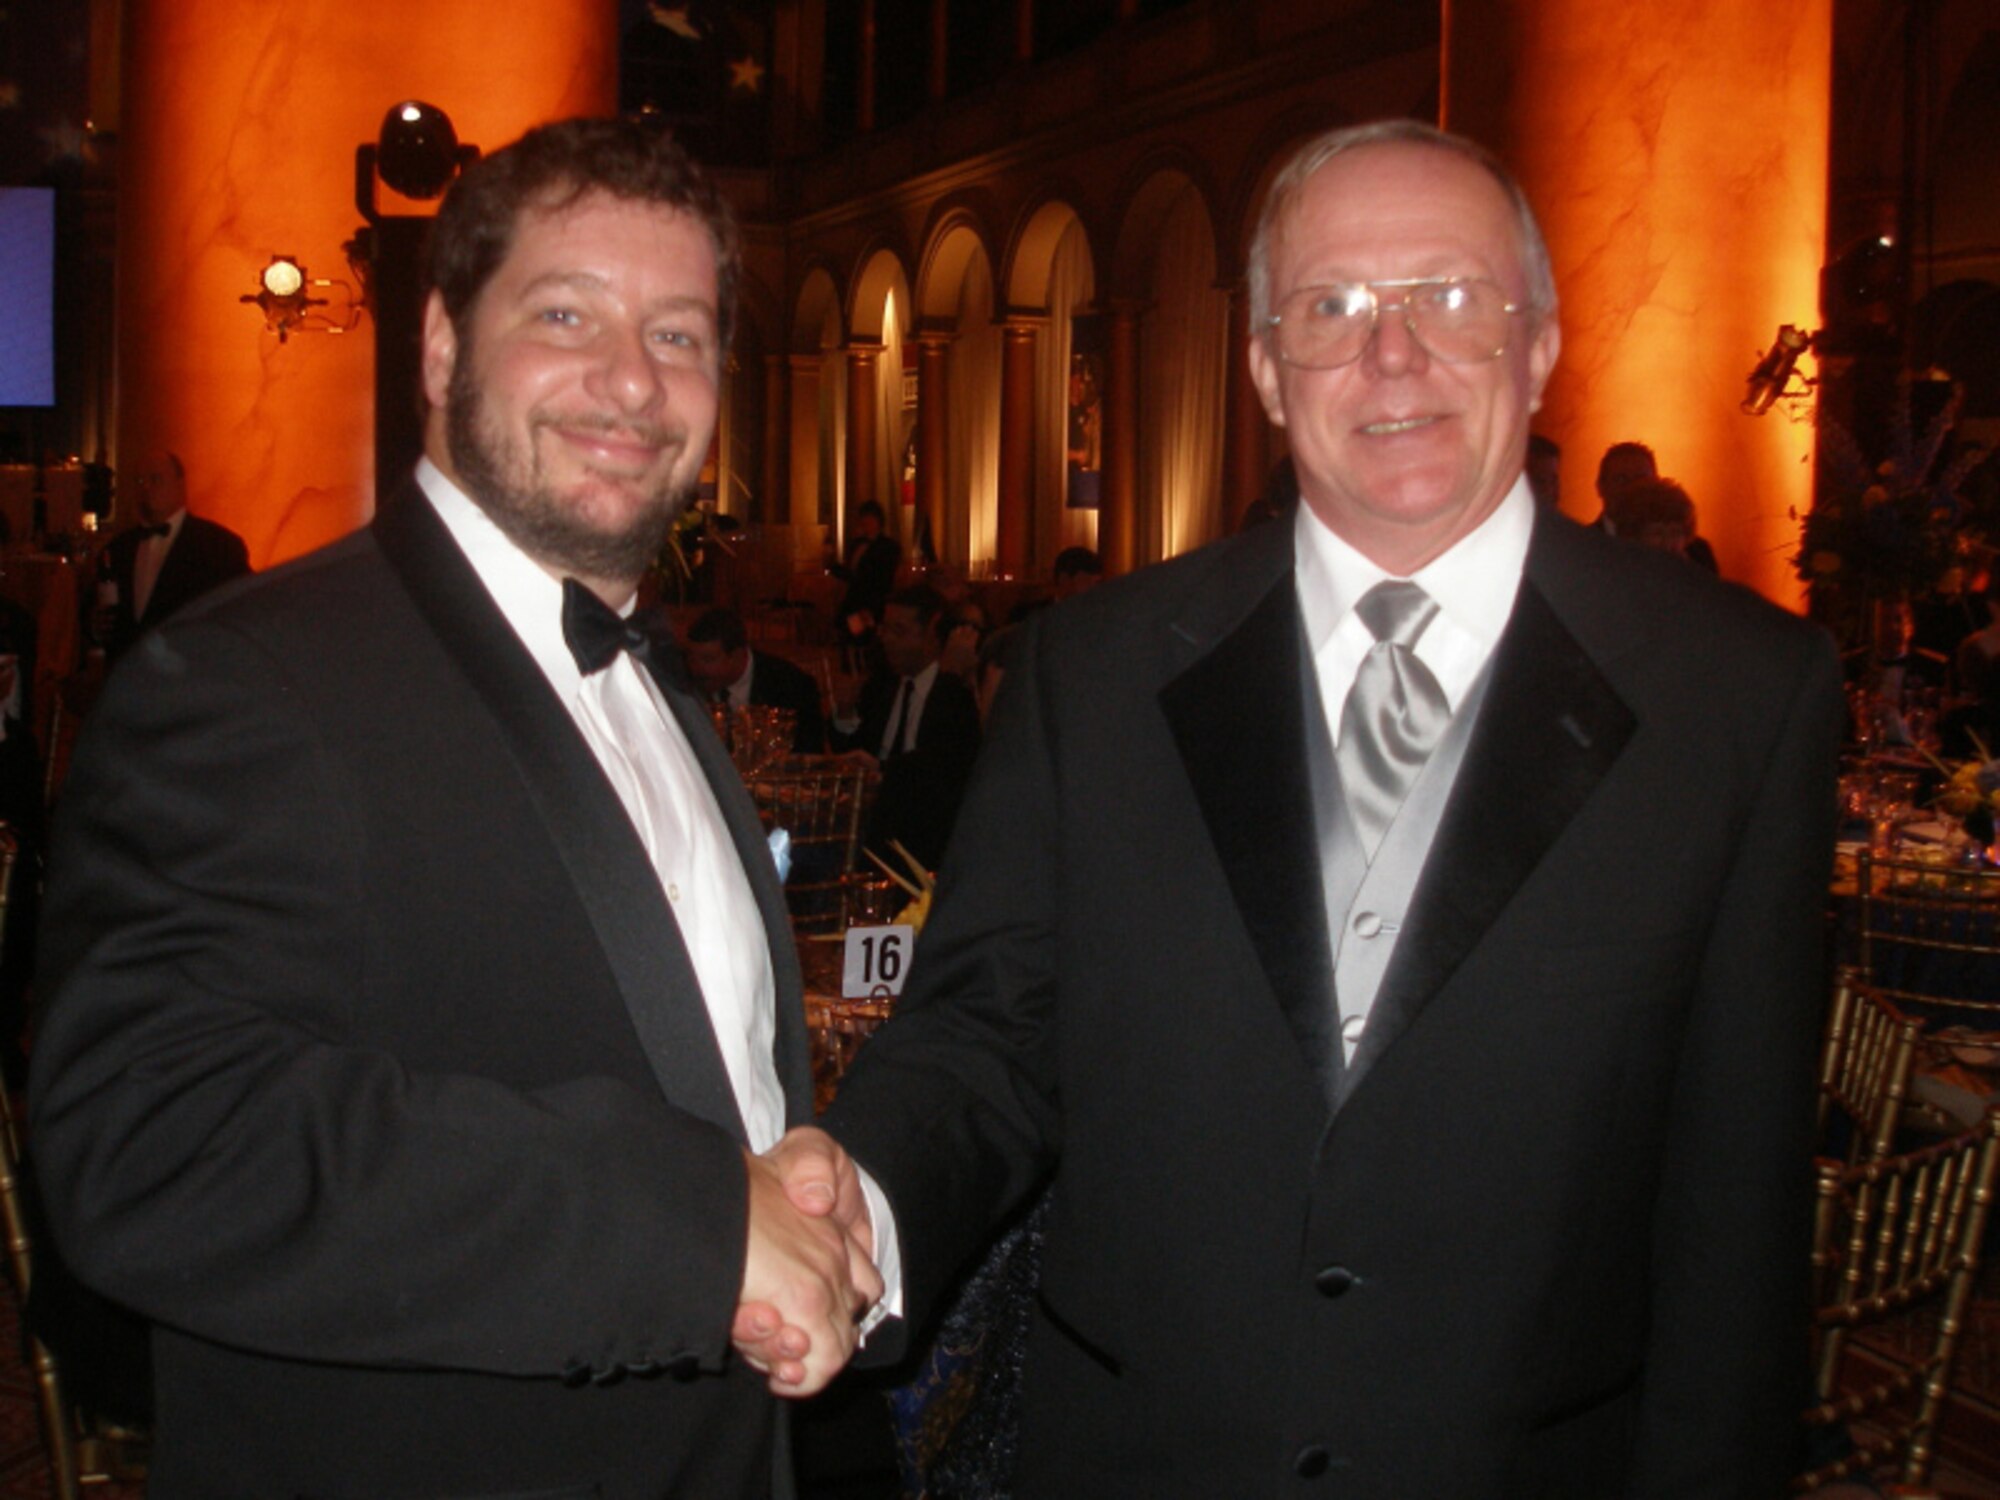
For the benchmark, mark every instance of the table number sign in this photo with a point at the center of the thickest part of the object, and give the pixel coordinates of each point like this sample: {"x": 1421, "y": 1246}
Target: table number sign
{"x": 876, "y": 960}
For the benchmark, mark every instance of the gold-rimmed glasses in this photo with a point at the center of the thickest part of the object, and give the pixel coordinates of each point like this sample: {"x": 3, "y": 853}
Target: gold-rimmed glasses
{"x": 1461, "y": 320}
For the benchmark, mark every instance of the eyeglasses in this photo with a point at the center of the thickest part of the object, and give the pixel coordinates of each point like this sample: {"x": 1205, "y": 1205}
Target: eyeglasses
{"x": 1460, "y": 320}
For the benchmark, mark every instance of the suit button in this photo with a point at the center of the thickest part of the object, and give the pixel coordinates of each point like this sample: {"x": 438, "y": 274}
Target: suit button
{"x": 1334, "y": 1281}
{"x": 1367, "y": 924}
{"x": 576, "y": 1373}
{"x": 1311, "y": 1462}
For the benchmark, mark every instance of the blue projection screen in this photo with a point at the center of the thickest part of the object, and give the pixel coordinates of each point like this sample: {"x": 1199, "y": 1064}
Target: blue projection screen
{"x": 27, "y": 296}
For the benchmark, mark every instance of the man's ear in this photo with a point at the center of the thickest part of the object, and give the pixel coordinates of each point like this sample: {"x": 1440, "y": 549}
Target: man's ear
{"x": 1264, "y": 375}
{"x": 440, "y": 350}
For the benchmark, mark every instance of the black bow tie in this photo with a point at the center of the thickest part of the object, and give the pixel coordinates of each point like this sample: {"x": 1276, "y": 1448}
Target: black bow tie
{"x": 160, "y": 530}
{"x": 594, "y": 632}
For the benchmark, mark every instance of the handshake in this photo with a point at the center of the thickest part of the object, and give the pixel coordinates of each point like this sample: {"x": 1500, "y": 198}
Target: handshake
{"x": 809, "y": 1273}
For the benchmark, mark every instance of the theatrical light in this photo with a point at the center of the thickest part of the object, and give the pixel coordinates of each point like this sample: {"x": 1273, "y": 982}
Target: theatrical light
{"x": 417, "y": 150}
{"x": 1777, "y": 369}
{"x": 283, "y": 297}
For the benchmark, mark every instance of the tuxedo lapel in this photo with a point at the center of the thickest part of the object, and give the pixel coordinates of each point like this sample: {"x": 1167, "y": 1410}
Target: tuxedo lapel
{"x": 1236, "y": 717}
{"x": 580, "y": 812}
{"x": 1550, "y": 729}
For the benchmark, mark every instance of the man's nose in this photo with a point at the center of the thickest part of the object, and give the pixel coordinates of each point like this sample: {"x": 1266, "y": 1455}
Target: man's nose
{"x": 626, "y": 375}
{"x": 1394, "y": 348}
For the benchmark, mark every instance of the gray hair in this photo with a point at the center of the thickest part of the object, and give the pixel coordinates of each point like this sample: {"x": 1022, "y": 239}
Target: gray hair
{"x": 1316, "y": 153}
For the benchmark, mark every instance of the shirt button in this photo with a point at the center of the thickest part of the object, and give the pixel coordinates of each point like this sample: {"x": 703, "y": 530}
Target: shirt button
{"x": 1311, "y": 1462}
{"x": 673, "y": 891}
{"x": 1333, "y": 1281}
{"x": 1367, "y": 924}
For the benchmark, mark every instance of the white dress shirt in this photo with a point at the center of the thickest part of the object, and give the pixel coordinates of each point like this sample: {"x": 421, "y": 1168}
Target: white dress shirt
{"x": 639, "y": 744}
{"x": 1474, "y": 584}
{"x": 913, "y": 715}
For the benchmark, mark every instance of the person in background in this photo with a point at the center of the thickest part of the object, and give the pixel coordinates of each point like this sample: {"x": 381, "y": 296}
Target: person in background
{"x": 870, "y": 570}
{"x": 1657, "y": 513}
{"x": 733, "y": 674}
{"x": 919, "y": 723}
{"x": 165, "y": 560}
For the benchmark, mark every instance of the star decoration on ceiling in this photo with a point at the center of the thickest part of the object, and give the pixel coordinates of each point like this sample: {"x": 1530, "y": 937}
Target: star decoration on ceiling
{"x": 747, "y": 74}
{"x": 679, "y": 19}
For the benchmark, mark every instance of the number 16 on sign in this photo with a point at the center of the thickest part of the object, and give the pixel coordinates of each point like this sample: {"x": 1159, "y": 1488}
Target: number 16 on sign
{"x": 876, "y": 960}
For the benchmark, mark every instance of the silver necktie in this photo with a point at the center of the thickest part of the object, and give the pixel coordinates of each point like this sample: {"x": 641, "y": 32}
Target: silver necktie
{"x": 1394, "y": 713}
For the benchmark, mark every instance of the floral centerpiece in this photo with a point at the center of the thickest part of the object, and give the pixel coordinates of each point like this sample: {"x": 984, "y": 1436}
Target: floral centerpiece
{"x": 1893, "y": 529}
{"x": 1971, "y": 793}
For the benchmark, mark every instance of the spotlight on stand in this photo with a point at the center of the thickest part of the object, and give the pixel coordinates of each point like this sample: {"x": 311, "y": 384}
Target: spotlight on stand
{"x": 287, "y": 305}
{"x": 397, "y": 179}
{"x": 417, "y": 152}
{"x": 1777, "y": 371}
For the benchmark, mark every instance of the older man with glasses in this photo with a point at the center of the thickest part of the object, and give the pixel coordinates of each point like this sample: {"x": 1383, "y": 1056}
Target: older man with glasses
{"x": 1396, "y": 936}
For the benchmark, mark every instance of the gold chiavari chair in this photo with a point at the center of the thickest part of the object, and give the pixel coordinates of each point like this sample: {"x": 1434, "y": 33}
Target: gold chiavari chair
{"x": 79, "y": 1453}
{"x": 1865, "y": 1062}
{"x": 1929, "y": 934}
{"x": 822, "y": 802}
{"x": 1896, "y": 1247}
{"x": 838, "y": 1028}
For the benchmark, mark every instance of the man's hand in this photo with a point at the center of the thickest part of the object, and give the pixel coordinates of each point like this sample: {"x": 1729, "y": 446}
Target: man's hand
{"x": 806, "y": 1280}
{"x": 821, "y": 1180}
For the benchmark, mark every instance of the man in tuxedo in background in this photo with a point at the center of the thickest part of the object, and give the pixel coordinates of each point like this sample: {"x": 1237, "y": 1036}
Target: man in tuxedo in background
{"x": 920, "y": 723}
{"x": 166, "y": 559}
{"x": 1398, "y": 942}
{"x": 725, "y": 667}
{"x": 418, "y": 980}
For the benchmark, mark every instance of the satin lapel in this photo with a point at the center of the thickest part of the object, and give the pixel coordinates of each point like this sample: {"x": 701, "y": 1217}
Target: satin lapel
{"x": 753, "y": 847}
{"x": 1236, "y": 718}
{"x": 1550, "y": 729}
{"x": 581, "y": 814}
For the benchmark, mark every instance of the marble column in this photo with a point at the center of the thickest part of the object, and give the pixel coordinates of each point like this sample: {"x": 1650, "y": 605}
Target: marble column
{"x": 863, "y": 469}
{"x": 1117, "y": 515}
{"x": 774, "y": 504}
{"x": 804, "y": 451}
{"x": 933, "y": 430}
{"x": 1017, "y": 442}
{"x": 1679, "y": 246}
{"x": 237, "y": 135}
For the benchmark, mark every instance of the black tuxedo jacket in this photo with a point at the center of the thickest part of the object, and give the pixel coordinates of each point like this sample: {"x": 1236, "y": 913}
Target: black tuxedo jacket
{"x": 375, "y": 1071}
{"x": 204, "y": 556}
{"x": 1552, "y": 1241}
{"x": 777, "y": 683}
{"x": 922, "y": 788}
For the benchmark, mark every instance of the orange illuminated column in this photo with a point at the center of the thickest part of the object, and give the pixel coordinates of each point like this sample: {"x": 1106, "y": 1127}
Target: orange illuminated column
{"x": 1117, "y": 518}
{"x": 776, "y": 500}
{"x": 863, "y": 358}
{"x": 1017, "y": 442}
{"x": 237, "y": 142}
{"x": 933, "y": 430}
{"x": 1676, "y": 153}
{"x": 805, "y": 372}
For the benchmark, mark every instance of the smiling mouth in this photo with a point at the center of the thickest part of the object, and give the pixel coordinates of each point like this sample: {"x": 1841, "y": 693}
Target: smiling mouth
{"x": 1404, "y": 424}
{"x": 618, "y": 447}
